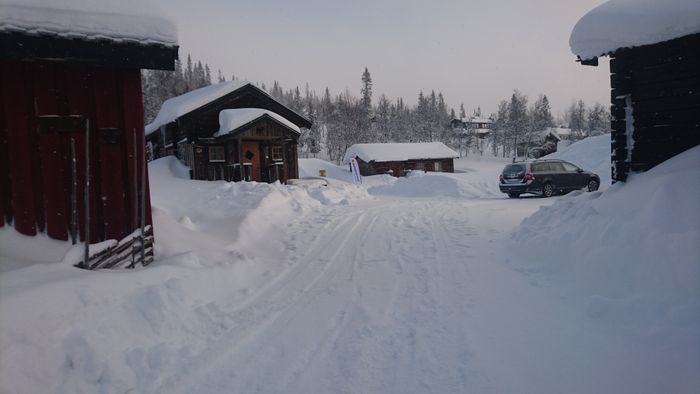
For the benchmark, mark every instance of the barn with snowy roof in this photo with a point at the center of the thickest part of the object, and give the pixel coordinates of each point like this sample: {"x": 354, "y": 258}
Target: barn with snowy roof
{"x": 72, "y": 162}
{"x": 398, "y": 159}
{"x": 232, "y": 131}
{"x": 654, "y": 50}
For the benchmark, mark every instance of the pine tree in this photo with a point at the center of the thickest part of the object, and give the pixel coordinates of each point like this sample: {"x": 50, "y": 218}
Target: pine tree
{"x": 517, "y": 120}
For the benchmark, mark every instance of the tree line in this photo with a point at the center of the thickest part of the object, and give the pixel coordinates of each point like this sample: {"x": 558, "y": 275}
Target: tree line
{"x": 341, "y": 120}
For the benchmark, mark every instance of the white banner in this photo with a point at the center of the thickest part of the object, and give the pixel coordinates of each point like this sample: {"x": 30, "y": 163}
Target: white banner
{"x": 355, "y": 168}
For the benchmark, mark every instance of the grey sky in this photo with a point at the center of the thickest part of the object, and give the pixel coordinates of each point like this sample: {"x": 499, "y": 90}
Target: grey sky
{"x": 474, "y": 51}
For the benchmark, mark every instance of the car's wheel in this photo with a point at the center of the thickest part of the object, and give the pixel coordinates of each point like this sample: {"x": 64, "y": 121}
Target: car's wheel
{"x": 593, "y": 185}
{"x": 548, "y": 189}
{"x": 513, "y": 195}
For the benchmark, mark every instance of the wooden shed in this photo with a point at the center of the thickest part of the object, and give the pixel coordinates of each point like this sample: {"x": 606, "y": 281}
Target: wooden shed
{"x": 398, "y": 159}
{"x": 230, "y": 131}
{"x": 71, "y": 120}
{"x": 654, "y": 76}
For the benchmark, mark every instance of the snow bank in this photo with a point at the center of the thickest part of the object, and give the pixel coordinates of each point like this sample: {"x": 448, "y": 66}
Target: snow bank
{"x": 434, "y": 184}
{"x": 629, "y": 23}
{"x": 125, "y": 20}
{"x": 591, "y": 154}
{"x": 232, "y": 119}
{"x": 629, "y": 255}
{"x": 201, "y": 216}
{"x": 309, "y": 168}
{"x": 399, "y": 151}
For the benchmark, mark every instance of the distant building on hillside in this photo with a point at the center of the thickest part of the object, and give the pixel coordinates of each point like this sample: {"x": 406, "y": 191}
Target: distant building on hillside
{"x": 398, "y": 159}
{"x": 655, "y": 69}
{"x": 480, "y": 126}
{"x": 232, "y": 131}
{"x": 543, "y": 142}
{"x": 71, "y": 105}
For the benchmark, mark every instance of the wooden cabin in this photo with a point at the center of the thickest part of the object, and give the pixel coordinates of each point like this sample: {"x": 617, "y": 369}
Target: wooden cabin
{"x": 654, "y": 78}
{"x": 398, "y": 159}
{"x": 72, "y": 161}
{"x": 230, "y": 131}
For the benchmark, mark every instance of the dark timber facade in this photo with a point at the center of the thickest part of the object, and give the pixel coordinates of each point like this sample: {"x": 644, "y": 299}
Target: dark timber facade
{"x": 655, "y": 100}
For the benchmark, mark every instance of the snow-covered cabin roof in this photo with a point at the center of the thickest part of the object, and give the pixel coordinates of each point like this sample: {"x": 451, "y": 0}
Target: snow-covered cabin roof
{"x": 620, "y": 24}
{"x": 475, "y": 119}
{"x": 176, "y": 107}
{"x": 119, "y": 21}
{"x": 400, "y": 151}
{"x": 233, "y": 119}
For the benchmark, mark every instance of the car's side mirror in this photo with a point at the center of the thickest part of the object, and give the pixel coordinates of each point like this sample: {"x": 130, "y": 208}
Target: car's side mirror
{"x": 579, "y": 170}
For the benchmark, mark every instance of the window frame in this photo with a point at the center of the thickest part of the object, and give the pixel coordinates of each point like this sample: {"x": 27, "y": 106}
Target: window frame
{"x": 216, "y": 154}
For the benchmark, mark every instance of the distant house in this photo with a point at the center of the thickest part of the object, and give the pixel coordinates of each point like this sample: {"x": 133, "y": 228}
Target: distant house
{"x": 543, "y": 142}
{"x": 480, "y": 126}
{"x": 232, "y": 131}
{"x": 398, "y": 159}
{"x": 71, "y": 104}
{"x": 654, "y": 52}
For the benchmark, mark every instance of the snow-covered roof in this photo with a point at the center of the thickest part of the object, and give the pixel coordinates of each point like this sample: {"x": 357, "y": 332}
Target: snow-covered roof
{"x": 399, "y": 151}
{"x": 475, "y": 119}
{"x": 629, "y": 23}
{"x": 177, "y": 106}
{"x": 119, "y": 21}
{"x": 232, "y": 119}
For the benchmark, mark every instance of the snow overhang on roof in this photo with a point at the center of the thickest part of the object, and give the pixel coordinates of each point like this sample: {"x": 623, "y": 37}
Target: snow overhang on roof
{"x": 231, "y": 120}
{"x": 619, "y": 24}
{"x": 175, "y": 107}
{"x": 131, "y": 21}
{"x": 399, "y": 151}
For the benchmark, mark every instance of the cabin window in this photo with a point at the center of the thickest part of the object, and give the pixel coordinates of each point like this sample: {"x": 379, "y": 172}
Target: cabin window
{"x": 437, "y": 166}
{"x": 420, "y": 166}
{"x": 217, "y": 153}
{"x": 277, "y": 153}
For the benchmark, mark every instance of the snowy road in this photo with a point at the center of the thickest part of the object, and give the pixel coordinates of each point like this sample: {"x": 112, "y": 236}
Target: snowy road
{"x": 391, "y": 296}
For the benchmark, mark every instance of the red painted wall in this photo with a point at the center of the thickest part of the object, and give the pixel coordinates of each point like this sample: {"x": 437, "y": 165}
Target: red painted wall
{"x": 35, "y": 165}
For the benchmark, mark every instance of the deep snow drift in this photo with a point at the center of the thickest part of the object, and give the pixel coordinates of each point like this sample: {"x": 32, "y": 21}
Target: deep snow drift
{"x": 432, "y": 283}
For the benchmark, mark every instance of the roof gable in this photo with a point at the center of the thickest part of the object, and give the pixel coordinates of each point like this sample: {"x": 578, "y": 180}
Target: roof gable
{"x": 233, "y": 120}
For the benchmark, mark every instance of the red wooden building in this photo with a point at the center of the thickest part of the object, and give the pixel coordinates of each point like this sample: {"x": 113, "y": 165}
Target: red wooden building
{"x": 398, "y": 159}
{"x": 75, "y": 97}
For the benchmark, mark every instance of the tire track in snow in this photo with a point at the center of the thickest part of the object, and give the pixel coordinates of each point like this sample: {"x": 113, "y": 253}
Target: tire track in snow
{"x": 274, "y": 304}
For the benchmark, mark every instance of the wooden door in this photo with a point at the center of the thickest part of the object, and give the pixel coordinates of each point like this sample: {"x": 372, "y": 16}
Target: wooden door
{"x": 250, "y": 150}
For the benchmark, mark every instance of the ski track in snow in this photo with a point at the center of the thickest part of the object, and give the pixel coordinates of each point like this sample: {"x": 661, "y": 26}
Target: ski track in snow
{"x": 389, "y": 322}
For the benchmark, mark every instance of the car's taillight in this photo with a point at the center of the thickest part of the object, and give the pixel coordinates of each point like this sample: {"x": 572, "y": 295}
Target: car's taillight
{"x": 529, "y": 177}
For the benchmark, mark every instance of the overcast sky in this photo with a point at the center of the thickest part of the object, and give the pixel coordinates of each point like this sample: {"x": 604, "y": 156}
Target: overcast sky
{"x": 474, "y": 51}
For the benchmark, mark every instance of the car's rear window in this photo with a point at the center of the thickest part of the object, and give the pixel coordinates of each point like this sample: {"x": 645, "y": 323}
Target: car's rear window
{"x": 514, "y": 169}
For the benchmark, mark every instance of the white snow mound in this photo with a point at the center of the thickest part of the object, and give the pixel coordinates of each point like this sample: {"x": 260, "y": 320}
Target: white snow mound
{"x": 631, "y": 253}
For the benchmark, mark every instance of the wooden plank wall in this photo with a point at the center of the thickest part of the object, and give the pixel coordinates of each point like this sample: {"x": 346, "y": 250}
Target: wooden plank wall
{"x": 35, "y": 168}
{"x": 663, "y": 81}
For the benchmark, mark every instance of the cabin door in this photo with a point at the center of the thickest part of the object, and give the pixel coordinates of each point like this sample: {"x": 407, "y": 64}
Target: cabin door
{"x": 250, "y": 150}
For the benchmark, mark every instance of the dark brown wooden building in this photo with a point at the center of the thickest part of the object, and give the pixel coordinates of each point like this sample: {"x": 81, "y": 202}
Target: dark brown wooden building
{"x": 68, "y": 100}
{"x": 232, "y": 131}
{"x": 398, "y": 159}
{"x": 655, "y": 86}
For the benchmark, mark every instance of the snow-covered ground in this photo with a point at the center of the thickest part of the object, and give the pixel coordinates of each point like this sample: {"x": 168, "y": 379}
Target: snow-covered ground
{"x": 432, "y": 283}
